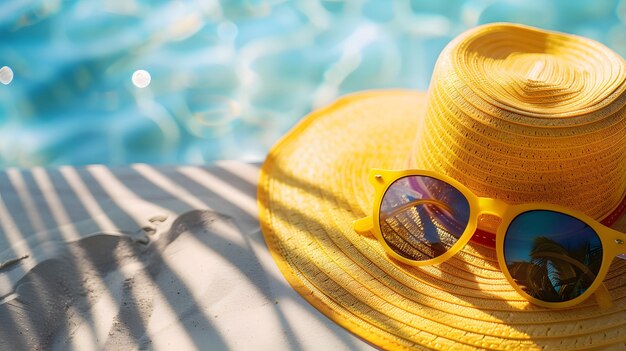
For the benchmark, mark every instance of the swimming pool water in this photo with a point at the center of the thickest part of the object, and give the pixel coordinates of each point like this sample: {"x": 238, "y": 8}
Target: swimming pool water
{"x": 124, "y": 81}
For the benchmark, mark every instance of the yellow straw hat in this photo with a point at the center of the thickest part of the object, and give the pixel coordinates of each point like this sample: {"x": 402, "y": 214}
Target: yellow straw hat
{"x": 514, "y": 113}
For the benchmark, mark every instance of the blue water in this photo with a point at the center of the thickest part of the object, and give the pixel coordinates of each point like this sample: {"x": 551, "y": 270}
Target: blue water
{"x": 228, "y": 78}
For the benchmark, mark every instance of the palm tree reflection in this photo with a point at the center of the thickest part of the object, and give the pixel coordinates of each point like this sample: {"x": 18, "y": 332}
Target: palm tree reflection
{"x": 554, "y": 273}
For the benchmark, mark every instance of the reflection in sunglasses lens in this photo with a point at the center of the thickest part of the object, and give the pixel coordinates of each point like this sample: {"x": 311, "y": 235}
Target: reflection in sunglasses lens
{"x": 552, "y": 256}
{"x": 422, "y": 217}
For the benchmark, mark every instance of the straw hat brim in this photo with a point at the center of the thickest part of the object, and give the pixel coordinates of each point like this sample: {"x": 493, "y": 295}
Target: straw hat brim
{"x": 313, "y": 185}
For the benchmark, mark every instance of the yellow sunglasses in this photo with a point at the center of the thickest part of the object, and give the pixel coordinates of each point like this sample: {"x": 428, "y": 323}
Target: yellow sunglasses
{"x": 553, "y": 256}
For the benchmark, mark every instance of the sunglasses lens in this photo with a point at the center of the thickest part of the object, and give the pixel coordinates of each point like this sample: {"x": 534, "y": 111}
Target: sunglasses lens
{"x": 552, "y": 256}
{"x": 422, "y": 217}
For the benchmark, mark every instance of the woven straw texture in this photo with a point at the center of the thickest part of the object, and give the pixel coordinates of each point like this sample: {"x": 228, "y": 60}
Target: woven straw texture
{"x": 525, "y": 115}
{"x": 314, "y": 184}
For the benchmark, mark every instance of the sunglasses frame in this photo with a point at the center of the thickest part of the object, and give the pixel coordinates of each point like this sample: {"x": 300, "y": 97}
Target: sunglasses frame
{"x": 613, "y": 241}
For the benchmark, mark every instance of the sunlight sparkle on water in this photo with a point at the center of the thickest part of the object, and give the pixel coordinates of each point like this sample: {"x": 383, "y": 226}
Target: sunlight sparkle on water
{"x": 141, "y": 78}
{"x": 6, "y": 75}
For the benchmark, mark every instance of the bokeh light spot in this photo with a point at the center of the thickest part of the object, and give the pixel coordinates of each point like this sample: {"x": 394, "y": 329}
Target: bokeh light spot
{"x": 6, "y": 75}
{"x": 141, "y": 78}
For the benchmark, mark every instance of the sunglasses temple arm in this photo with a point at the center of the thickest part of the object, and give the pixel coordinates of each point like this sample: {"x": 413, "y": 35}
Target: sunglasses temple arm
{"x": 363, "y": 225}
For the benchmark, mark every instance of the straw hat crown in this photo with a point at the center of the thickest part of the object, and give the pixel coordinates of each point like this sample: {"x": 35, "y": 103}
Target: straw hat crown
{"x": 527, "y": 115}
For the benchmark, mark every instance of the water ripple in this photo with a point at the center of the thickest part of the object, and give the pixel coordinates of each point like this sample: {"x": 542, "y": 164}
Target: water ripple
{"x": 223, "y": 80}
